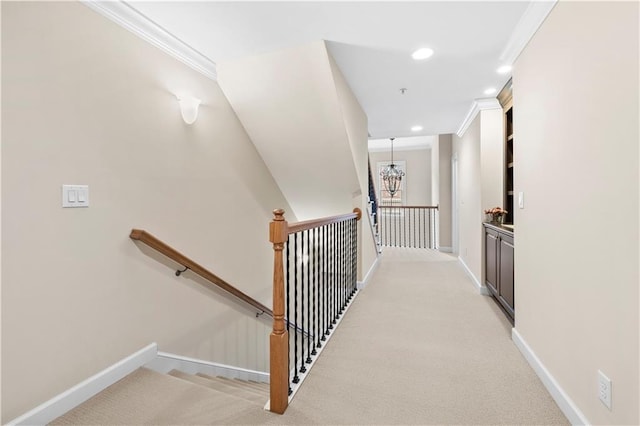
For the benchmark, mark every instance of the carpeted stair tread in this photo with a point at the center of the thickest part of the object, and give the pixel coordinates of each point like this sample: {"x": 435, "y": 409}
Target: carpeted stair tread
{"x": 238, "y": 383}
{"x": 256, "y": 385}
{"x": 220, "y": 386}
{"x": 146, "y": 397}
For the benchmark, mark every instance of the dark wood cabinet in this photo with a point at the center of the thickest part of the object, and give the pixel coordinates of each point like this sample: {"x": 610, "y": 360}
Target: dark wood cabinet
{"x": 506, "y": 100}
{"x": 499, "y": 277}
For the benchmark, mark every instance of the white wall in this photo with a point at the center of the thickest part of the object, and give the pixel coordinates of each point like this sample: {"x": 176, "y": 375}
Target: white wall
{"x": 418, "y": 168}
{"x": 576, "y": 141}
{"x": 288, "y": 104}
{"x": 355, "y": 125}
{"x": 441, "y": 188}
{"x": 87, "y": 102}
{"x": 492, "y": 158}
{"x": 467, "y": 150}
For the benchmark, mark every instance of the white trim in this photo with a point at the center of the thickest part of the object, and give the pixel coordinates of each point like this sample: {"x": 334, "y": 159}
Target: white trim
{"x": 71, "y": 398}
{"x": 481, "y": 289}
{"x": 128, "y": 17}
{"x": 568, "y": 407}
{"x": 477, "y": 106}
{"x": 166, "y": 362}
{"x": 362, "y": 284}
{"x": 527, "y": 26}
{"x": 446, "y": 249}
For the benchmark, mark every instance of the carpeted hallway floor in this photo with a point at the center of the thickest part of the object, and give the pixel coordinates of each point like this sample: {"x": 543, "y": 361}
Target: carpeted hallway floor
{"x": 420, "y": 346}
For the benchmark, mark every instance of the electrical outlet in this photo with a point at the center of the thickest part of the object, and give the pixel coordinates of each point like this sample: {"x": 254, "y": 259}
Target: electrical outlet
{"x": 604, "y": 389}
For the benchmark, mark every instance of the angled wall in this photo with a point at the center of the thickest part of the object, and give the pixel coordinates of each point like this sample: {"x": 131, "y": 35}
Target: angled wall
{"x": 288, "y": 104}
{"x": 84, "y": 101}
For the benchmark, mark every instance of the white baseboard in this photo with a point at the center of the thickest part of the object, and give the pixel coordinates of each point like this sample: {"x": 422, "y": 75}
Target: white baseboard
{"x": 569, "y": 409}
{"x": 481, "y": 289}
{"x": 166, "y": 362}
{"x": 446, "y": 249}
{"x": 71, "y": 398}
{"x": 362, "y": 284}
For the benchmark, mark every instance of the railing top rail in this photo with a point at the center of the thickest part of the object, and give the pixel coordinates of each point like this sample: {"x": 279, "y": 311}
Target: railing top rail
{"x": 310, "y": 224}
{"x": 148, "y": 239}
{"x": 383, "y": 206}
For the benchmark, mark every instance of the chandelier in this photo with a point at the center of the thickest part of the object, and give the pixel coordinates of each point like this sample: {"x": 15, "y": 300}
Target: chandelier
{"x": 392, "y": 176}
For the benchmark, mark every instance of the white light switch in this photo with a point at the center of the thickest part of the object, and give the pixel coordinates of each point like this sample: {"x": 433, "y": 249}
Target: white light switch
{"x": 75, "y": 196}
{"x": 521, "y": 200}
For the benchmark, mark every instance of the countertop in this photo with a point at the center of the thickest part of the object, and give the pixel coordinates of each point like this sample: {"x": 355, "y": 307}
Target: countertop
{"x": 502, "y": 227}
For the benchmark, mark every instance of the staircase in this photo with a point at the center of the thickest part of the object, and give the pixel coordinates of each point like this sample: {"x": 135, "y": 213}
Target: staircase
{"x": 149, "y": 397}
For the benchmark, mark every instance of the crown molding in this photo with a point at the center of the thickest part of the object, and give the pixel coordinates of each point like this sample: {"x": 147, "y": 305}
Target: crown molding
{"x": 527, "y": 26}
{"x": 127, "y": 17}
{"x": 477, "y": 106}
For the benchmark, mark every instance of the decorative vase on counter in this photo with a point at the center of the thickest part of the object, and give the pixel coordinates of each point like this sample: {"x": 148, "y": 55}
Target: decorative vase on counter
{"x": 495, "y": 215}
{"x": 497, "y": 218}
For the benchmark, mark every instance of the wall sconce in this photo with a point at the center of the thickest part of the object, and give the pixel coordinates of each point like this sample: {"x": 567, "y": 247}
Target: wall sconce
{"x": 189, "y": 108}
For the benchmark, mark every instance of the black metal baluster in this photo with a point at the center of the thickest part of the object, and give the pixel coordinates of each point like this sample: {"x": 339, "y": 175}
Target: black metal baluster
{"x": 296, "y": 379}
{"x": 429, "y": 245}
{"x": 424, "y": 230}
{"x": 343, "y": 257}
{"x": 404, "y": 229}
{"x": 336, "y": 275}
{"x": 419, "y": 228}
{"x": 349, "y": 261}
{"x": 397, "y": 216}
{"x": 338, "y": 270}
{"x": 326, "y": 282}
{"x": 353, "y": 278}
{"x": 288, "y": 265}
{"x": 355, "y": 256}
{"x": 309, "y": 267}
{"x": 423, "y": 234}
{"x": 413, "y": 225}
{"x": 319, "y": 332}
{"x": 303, "y": 369}
{"x": 314, "y": 324}
{"x": 309, "y": 291}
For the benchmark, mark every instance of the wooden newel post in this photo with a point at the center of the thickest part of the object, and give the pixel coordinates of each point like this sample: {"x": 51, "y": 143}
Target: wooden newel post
{"x": 279, "y": 348}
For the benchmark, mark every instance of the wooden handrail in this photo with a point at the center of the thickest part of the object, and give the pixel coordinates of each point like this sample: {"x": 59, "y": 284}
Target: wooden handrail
{"x": 407, "y": 207}
{"x": 310, "y": 224}
{"x": 148, "y": 239}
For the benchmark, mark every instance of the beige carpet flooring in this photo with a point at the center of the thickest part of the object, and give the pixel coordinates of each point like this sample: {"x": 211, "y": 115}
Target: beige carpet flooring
{"x": 418, "y": 346}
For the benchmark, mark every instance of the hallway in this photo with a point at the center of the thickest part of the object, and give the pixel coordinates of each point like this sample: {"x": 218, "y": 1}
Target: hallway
{"x": 419, "y": 345}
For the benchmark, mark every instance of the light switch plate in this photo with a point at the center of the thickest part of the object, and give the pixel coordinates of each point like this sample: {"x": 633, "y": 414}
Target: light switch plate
{"x": 521, "y": 199}
{"x": 74, "y": 196}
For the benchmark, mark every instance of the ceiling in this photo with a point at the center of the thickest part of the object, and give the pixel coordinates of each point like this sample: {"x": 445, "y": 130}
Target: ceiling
{"x": 372, "y": 44}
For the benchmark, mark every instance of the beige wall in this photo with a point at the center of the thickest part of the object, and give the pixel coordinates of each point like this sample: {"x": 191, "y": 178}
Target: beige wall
{"x": 576, "y": 126}
{"x": 492, "y": 158}
{"x": 444, "y": 191}
{"x": 86, "y": 102}
{"x": 467, "y": 151}
{"x": 287, "y": 102}
{"x": 418, "y": 179}
{"x": 356, "y": 129}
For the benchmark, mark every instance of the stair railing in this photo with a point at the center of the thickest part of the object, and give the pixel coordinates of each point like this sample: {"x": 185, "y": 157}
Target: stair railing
{"x": 408, "y": 226}
{"x": 314, "y": 279}
{"x": 188, "y": 264}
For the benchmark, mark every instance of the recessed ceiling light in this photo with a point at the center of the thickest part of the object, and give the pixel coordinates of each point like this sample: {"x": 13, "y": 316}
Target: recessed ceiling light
{"x": 416, "y": 128}
{"x": 422, "y": 53}
{"x": 504, "y": 69}
{"x": 490, "y": 91}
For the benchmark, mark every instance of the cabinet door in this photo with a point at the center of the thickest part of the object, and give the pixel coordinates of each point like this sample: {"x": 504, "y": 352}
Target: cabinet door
{"x": 506, "y": 273}
{"x": 491, "y": 260}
